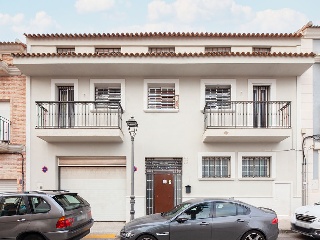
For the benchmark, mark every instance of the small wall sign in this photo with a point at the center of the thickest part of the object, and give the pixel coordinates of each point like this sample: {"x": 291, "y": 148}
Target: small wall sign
{"x": 44, "y": 169}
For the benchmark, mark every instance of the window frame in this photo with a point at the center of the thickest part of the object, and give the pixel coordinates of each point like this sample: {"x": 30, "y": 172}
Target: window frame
{"x": 107, "y": 50}
{"x": 210, "y": 49}
{"x": 160, "y": 50}
{"x": 108, "y": 83}
{"x": 272, "y": 166}
{"x": 261, "y": 49}
{"x": 66, "y": 50}
{"x": 216, "y": 82}
{"x": 220, "y": 166}
{"x": 161, "y": 83}
{"x": 216, "y": 154}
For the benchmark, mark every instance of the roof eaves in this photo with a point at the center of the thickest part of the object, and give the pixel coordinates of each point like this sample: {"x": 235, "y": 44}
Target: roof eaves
{"x": 207, "y": 54}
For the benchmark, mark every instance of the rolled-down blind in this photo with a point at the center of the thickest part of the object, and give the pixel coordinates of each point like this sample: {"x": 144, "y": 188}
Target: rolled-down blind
{"x": 92, "y": 161}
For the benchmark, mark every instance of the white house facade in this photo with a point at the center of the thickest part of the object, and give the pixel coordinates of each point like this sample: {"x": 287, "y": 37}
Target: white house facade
{"x": 219, "y": 115}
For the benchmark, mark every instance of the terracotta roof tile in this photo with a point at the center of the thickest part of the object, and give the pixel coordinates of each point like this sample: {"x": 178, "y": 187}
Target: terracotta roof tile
{"x": 13, "y": 43}
{"x": 207, "y": 54}
{"x": 165, "y": 34}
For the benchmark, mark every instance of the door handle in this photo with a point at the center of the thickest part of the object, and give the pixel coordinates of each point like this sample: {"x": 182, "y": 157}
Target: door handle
{"x": 240, "y": 220}
{"x": 21, "y": 220}
{"x": 204, "y": 224}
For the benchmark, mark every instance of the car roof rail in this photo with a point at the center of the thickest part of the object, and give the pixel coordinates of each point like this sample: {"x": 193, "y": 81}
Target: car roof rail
{"x": 54, "y": 190}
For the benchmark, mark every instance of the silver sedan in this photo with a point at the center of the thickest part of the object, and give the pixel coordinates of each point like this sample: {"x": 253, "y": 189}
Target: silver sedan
{"x": 206, "y": 219}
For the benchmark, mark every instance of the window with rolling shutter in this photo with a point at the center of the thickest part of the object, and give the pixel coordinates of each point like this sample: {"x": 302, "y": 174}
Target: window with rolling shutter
{"x": 218, "y": 97}
{"x": 110, "y": 95}
{"x": 161, "y": 98}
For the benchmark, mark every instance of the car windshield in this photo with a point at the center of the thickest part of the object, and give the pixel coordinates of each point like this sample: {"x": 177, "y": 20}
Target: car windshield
{"x": 177, "y": 209}
{"x": 70, "y": 201}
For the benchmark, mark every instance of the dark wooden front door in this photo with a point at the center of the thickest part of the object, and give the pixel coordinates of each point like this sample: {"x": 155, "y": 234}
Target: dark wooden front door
{"x": 163, "y": 192}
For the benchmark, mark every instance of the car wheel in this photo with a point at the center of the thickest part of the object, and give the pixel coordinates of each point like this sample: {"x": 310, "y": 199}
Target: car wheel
{"x": 33, "y": 237}
{"x": 253, "y": 235}
{"x": 146, "y": 237}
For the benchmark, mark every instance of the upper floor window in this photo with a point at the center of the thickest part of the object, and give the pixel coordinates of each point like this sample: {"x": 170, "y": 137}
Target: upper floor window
{"x": 217, "y": 49}
{"x": 108, "y": 50}
{"x": 161, "y": 49}
{"x": 109, "y": 94}
{"x": 65, "y": 50}
{"x": 256, "y": 167}
{"x": 216, "y": 167}
{"x": 218, "y": 96}
{"x": 261, "y": 50}
{"x": 161, "y": 97}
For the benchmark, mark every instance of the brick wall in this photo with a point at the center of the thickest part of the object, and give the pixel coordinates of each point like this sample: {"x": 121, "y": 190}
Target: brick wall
{"x": 13, "y": 90}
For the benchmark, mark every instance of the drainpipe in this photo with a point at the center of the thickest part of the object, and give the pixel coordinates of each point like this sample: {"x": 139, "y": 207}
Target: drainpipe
{"x": 304, "y": 168}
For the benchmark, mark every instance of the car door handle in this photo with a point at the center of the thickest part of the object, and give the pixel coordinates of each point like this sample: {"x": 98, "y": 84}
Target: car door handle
{"x": 204, "y": 224}
{"x": 240, "y": 220}
{"x": 21, "y": 220}
{"x": 162, "y": 234}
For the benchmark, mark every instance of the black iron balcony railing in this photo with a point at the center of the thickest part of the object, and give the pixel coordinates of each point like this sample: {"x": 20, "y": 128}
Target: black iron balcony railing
{"x": 248, "y": 114}
{"x": 4, "y": 130}
{"x": 79, "y": 114}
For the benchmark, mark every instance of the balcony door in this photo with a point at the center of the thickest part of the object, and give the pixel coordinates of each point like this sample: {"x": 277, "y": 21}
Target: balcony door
{"x": 66, "y": 113}
{"x": 261, "y": 95}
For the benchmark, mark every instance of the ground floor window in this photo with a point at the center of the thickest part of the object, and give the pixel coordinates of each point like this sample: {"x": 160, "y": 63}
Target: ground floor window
{"x": 216, "y": 167}
{"x": 255, "y": 166}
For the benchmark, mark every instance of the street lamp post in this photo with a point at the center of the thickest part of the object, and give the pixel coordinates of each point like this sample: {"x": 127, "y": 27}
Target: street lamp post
{"x": 132, "y": 127}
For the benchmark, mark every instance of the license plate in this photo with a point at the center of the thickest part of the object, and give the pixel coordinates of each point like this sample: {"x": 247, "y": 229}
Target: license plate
{"x": 303, "y": 224}
{"x": 81, "y": 217}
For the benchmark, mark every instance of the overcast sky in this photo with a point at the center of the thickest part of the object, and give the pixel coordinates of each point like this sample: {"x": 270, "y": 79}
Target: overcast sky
{"x": 110, "y": 16}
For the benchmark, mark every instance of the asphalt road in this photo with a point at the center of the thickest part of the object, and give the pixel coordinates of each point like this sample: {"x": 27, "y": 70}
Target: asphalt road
{"x": 282, "y": 236}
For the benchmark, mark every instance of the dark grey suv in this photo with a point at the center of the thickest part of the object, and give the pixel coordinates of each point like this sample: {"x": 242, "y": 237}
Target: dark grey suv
{"x": 44, "y": 215}
{"x": 206, "y": 219}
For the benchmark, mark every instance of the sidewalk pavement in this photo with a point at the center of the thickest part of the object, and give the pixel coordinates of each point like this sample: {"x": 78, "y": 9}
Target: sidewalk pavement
{"x": 105, "y": 230}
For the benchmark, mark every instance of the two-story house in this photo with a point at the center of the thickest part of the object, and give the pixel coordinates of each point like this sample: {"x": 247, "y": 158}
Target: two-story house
{"x": 219, "y": 115}
{"x": 12, "y": 119}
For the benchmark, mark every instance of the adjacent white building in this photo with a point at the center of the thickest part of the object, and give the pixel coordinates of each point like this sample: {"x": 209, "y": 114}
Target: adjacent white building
{"x": 223, "y": 114}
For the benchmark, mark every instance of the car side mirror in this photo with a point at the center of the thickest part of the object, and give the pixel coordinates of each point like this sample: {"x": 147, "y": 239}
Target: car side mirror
{"x": 181, "y": 219}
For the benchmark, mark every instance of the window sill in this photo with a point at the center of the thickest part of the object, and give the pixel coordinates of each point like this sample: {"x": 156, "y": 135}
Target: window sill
{"x": 161, "y": 110}
{"x": 256, "y": 179}
{"x": 216, "y": 179}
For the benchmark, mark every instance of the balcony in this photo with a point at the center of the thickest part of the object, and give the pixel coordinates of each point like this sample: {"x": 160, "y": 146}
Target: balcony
{"x": 247, "y": 121}
{"x": 79, "y": 121}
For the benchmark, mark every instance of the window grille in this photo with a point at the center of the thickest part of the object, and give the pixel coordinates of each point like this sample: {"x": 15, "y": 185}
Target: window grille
{"x": 261, "y": 50}
{"x": 218, "y": 97}
{"x": 162, "y": 50}
{"x": 111, "y": 95}
{"x": 161, "y": 98}
{"x": 216, "y": 167}
{"x": 65, "y": 50}
{"x": 108, "y": 50}
{"x": 256, "y": 167}
{"x": 217, "y": 49}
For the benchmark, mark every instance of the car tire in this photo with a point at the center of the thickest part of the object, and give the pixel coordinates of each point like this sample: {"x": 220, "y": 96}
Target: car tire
{"x": 146, "y": 237}
{"x": 33, "y": 237}
{"x": 253, "y": 235}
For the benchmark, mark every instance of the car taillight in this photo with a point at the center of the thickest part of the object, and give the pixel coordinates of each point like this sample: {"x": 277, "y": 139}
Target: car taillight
{"x": 64, "y": 222}
{"x": 275, "y": 221}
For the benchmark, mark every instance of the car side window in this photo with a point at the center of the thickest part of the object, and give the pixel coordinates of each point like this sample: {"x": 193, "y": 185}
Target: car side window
{"x": 39, "y": 205}
{"x": 10, "y": 206}
{"x": 200, "y": 211}
{"x": 225, "y": 209}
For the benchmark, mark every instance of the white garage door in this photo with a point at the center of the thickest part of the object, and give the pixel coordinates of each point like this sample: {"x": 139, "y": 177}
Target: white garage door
{"x": 103, "y": 187}
{"x": 8, "y": 185}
